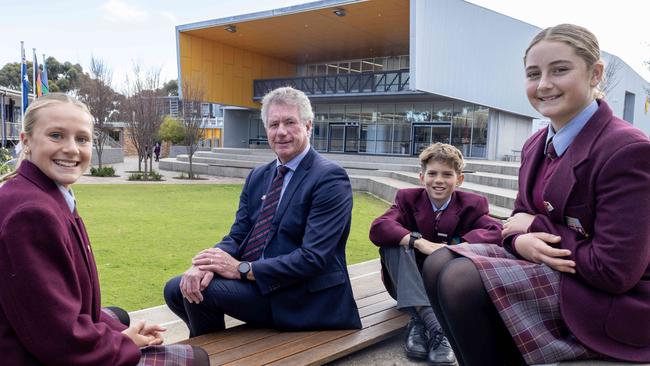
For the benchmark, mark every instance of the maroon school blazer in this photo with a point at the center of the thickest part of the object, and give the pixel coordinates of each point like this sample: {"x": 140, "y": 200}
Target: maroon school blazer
{"x": 600, "y": 200}
{"x": 465, "y": 217}
{"x": 49, "y": 291}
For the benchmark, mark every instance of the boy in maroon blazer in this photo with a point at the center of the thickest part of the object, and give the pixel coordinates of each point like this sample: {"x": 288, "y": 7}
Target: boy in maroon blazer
{"x": 420, "y": 221}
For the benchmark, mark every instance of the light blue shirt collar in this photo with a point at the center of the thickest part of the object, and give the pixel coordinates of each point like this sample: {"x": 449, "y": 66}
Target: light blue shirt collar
{"x": 444, "y": 207}
{"x": 563, "y": 138}
{"x": 68, "y": 196}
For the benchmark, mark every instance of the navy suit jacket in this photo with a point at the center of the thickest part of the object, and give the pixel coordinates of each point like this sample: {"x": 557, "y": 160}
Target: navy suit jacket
{"x": 49, "y": 292}
{"x": 303, "y": 269}
{"x": 603, "y": 181}
{"x": 465, "y": 217}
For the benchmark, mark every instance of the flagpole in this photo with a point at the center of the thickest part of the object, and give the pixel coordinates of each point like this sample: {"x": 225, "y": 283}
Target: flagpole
{"x": 22, "y": 77}
{"x": 34, "y": 67}
{"x": 45, "y": 86}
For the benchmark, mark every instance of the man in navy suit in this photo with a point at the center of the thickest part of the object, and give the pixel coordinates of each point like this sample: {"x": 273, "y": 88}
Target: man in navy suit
{"x": 283, "y": 263}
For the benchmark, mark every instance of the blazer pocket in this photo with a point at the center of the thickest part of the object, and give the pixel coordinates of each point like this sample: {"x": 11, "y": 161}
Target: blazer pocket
{"x": 326, "y": 281}
{"x": 628, "y": 320}
{"x": 579, "y": 219}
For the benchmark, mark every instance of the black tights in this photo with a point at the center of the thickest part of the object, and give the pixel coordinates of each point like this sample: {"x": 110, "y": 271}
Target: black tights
{"x": 466, "y": 313}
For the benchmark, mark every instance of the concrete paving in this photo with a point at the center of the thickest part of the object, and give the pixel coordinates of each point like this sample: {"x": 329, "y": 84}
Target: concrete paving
{"x": 130, "y": 165}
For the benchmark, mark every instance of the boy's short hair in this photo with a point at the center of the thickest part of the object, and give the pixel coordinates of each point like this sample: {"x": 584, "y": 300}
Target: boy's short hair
{"x": 445, "y": 153}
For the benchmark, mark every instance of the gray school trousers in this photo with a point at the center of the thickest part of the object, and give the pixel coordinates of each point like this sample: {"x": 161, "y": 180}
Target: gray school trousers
{"x": 404, "y": 275}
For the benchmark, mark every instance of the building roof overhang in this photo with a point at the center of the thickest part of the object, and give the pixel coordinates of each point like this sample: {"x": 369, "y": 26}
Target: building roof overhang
{"x": 312, "y": 32}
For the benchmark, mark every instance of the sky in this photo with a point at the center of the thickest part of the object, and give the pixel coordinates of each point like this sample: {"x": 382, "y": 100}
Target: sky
{"x": 124, "y": 32}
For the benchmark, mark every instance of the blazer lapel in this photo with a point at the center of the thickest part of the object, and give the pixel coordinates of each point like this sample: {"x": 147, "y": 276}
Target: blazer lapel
{"x": 449, "y": 218}
{"x": 563, "y": 180}
{"x": 296, "y": 179}
{"x": 424, "y": 218}
{"x": 534, "y": 156}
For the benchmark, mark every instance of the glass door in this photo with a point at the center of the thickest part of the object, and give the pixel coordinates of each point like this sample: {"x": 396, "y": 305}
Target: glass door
{"x": 426, "y": 134}
{"x": 337, "y": 138}
{"x": 352, "y": 138}
{"x": 421, "y": 138}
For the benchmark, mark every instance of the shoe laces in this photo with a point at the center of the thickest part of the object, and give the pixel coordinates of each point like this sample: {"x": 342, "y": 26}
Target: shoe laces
{"x": 437, "y": 338}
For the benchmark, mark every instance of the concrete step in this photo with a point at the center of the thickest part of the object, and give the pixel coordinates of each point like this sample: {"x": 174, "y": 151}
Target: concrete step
{"x": 252, "y": 161}
{"x": 493, "y": 180}
{"x": 490, "y": 166}
{"x": 381, "y": 183}
{"x": 500, "y": 197}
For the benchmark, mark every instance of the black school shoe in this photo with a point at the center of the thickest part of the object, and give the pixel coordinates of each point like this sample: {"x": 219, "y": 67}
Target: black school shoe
{"x": 417, "y": 340}
{"x": 440, "y": 351}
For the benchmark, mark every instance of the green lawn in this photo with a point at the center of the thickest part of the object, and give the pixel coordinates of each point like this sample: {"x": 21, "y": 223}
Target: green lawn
{"x": 142, "y": 235}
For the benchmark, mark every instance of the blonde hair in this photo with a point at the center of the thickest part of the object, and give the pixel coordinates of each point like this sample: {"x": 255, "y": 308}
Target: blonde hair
{"x": 287, "y": 96}
{"x": 444, "y": 153}
{"x": 32, "y": 115}
{"x": 580, "y": 39}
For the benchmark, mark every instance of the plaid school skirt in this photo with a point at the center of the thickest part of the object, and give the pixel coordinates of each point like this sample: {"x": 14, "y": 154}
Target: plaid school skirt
{"x": 168, "y": 355}
{"x": 527, "y": 298}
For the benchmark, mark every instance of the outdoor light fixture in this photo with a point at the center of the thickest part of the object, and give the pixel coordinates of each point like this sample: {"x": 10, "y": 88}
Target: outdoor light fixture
{"x": 340, "y": 12}
{"x": 231, "y": 29}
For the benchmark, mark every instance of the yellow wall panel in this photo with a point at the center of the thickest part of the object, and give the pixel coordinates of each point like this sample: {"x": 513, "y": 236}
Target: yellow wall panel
{"x": 227, "y": 55}
{"x": 226, "y": 72}
{"x": 218, "y": 58}
{"x": 184, "y": 45}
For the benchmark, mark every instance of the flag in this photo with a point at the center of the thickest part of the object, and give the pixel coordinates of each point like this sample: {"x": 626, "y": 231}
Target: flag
{"x": 45, "y": 88}
{"x": 36, "y": 77}
{"x": 24, "y": 78}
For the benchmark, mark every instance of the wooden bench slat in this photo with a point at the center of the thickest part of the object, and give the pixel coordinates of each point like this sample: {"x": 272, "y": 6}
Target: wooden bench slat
{"x": 242, "y": 332}
{"x": 255, "y": 340}
{"x": 346, "y": 345}
{"x": 257, "y": 348}
{"x": 302, "y": 344}
{"x": 376, "y": 308}
{"x": 372, "y": 299}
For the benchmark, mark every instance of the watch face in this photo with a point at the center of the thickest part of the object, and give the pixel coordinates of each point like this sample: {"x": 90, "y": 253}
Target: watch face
{"x": 416, "y": 235}
{"x": 244, "y": 267}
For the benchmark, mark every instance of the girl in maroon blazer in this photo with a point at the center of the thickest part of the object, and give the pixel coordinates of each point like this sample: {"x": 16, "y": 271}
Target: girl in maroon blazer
{"x": 572, "y": 280}
{"x": 50, "y": 310}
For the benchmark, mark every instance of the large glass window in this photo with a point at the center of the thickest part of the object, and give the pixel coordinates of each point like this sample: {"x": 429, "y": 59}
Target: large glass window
{"x": 320, "y": 129}
{"x": 337, "y": 113}
{"x": 421, "y": 112}
{"x": 352, "y": 112}
{"x": 368, "y": 128}
{"x": 385, "y": 116}
{"x": 461, "y": 126}
{"x": 442, "y": 111}
{"x": 402, "y": 129}
{"x": 480, "y": 132}
{"x": 395, "y": 128}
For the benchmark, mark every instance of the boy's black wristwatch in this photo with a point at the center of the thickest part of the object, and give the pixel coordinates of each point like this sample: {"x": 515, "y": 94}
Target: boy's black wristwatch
{"x": 414, "y": 236}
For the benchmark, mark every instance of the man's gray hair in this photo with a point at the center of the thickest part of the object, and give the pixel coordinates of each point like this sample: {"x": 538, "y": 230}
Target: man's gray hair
{"x": 288, "y": 96}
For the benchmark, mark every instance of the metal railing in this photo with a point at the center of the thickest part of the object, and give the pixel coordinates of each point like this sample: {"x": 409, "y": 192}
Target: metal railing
{"x": 396, "y": 81}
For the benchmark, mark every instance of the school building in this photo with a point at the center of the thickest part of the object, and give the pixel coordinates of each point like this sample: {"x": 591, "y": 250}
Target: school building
{"x": 384, "y": 76}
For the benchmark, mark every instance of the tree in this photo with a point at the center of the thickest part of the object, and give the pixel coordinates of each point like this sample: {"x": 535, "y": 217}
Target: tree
{"x": 610, "y": 77}
{"x": 61, "y": 77}
{"x": 172, "y": 130}
{"x": 95, "y": 90}
{"x": 192, "y": 119}
{"x": 144, "y": 108}
{"x": 171, "y": 88}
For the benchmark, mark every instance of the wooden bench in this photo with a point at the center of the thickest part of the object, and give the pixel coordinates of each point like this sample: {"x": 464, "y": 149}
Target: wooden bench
{"x": 243, "y": 345}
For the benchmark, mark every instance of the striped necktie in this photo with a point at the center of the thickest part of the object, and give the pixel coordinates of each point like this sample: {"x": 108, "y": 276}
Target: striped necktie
{"x": 550, "y": 150}
{"x": 257, "y": 239}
